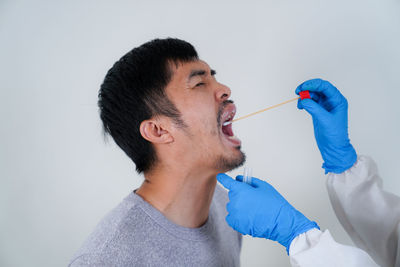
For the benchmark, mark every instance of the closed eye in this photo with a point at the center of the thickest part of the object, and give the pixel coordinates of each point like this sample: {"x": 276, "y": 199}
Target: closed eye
{"x": 200, "y": 84}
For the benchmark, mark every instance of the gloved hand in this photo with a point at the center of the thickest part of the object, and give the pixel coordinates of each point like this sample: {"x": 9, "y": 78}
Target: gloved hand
{"x": 328, "y": 108}
{"x": 260, "y": 211}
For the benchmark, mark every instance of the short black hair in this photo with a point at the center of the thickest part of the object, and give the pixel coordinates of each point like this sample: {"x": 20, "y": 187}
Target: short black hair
{"x": 134, "y": 90}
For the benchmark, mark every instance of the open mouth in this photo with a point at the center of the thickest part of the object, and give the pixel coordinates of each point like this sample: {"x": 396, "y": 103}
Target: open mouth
{"x": 227, "y": 125}
{"x": 226, "y": 128}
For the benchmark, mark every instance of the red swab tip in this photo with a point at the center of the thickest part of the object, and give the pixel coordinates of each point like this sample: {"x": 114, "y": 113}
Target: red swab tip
{"x": 304, "y": 94}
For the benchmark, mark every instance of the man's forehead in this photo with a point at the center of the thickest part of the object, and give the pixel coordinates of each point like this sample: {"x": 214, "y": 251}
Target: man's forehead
{"x": 185, "y": 69}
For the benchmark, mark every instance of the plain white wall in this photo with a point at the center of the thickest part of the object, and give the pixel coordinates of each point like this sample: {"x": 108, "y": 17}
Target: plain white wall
{"x": 58, "y": 177}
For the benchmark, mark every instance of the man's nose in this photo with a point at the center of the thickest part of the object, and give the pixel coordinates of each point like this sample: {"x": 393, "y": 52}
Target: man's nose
{"x": 223, "y": 92}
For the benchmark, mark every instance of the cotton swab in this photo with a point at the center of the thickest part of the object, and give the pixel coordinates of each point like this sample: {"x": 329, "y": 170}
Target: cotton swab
{"x": 303, "y": 95}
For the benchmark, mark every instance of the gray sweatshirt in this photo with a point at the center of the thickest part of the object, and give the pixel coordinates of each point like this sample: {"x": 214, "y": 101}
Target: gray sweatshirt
{"x": 136, "y": 234}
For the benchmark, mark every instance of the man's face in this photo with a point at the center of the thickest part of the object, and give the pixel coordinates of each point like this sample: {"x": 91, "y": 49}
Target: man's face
{"x": 204, "y": 106}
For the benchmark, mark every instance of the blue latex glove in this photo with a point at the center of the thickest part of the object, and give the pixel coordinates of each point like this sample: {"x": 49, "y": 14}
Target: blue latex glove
{"x": 260, "y": 211}
{"x": 328, "y": 108}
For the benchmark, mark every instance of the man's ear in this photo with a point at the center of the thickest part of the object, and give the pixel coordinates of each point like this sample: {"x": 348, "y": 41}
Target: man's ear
{"x": 153, "y": 131}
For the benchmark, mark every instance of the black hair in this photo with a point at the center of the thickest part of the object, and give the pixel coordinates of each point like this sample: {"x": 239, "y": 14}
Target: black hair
{"x": 134, "y": 90}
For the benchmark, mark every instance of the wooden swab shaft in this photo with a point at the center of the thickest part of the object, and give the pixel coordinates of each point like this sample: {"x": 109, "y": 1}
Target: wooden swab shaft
{"x": 274, "y": 106}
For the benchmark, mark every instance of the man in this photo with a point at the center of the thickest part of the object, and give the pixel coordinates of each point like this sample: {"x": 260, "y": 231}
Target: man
{"x": 164, "y": 108}
{"x": 369, "y": 214}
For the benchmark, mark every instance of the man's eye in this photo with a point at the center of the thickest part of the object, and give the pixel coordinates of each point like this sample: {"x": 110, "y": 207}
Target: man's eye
{"x": 200, "y": 84}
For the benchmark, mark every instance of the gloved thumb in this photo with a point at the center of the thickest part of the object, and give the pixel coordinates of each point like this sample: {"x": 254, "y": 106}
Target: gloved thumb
{"x": 226, "y": 180}
{"x": 313, "y": 108}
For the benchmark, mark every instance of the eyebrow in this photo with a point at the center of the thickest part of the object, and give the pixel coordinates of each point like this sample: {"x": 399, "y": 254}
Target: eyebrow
{"x": 195, "y": 73}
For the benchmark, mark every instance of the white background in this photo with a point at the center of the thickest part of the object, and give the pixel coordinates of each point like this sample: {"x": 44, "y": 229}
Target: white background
{"x": 58, "y": 177}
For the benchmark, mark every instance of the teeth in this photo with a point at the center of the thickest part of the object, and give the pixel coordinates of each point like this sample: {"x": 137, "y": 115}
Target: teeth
{"x": 228, "y": 120}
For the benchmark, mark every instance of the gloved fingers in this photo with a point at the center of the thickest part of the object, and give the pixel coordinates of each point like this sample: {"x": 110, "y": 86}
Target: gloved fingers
{"x": 299, "y": 104}
{"x": 300, "y": 87}
{"x": 227, "y": 181}
{"x": 237, "y": 226}
{"x": 228, "y": 207}
{"x": 235, "y": 223}
{"x": 255, "y": 182}
{"x": 240, "y": 179}
{"x": 318, "y": 98}
{"x": 339, "y": 103}
{"x": 267, "y": 188}
{"x": 229, "y": 219}
{"x": 314, "y": 97}
{"x": 314, "y": 108}
{"x": 330, "y": 94}
{"x": 320, "y": 86}
{"x": 235, "y": 194}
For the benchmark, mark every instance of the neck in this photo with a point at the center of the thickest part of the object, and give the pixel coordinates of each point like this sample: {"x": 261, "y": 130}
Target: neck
{"x": 183, "y": 196}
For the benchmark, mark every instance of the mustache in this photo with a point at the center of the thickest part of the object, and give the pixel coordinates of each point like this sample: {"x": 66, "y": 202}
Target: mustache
{"x": 221, "y": 109}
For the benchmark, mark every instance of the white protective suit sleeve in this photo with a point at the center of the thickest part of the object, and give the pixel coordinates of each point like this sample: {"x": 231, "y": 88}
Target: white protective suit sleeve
{"x": 318, "y": 249}
{"x": 370, "y": 215}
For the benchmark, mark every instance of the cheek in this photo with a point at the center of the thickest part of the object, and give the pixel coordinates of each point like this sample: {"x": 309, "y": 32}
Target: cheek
{"x": 202, "y": 133}
{"x": 201, "y": 117}
{"x": 207, "y": 126}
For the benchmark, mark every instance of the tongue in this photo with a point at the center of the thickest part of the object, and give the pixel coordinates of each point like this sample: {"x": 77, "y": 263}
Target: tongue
{"x": 227, "y": 130}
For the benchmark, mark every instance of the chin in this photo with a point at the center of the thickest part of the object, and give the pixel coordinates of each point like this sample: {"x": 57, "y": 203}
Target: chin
{"x": 231, "y": 162}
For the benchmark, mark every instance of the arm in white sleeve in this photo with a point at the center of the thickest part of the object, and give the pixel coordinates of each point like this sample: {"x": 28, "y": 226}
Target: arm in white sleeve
{"x": 318, "y": 249}
{"x": 369, "y": 214}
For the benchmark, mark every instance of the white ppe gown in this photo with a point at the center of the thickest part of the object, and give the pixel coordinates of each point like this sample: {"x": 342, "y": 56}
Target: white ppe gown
{"x": 370, "y": 215}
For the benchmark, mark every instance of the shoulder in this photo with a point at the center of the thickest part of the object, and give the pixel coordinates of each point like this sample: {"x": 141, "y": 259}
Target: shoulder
{"x": 109, "y": 240}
